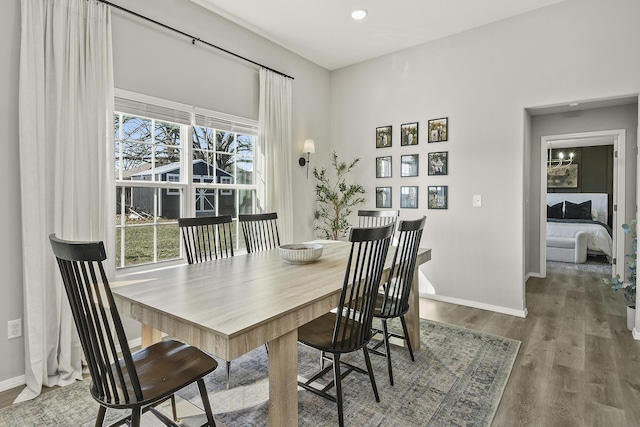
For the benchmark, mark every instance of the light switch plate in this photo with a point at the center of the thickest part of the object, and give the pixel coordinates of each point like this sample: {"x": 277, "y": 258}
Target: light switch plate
{"x": 477, "y": 200}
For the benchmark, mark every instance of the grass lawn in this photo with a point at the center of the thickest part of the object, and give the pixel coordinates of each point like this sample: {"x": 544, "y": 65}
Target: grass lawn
{"x": 139, "y": 243}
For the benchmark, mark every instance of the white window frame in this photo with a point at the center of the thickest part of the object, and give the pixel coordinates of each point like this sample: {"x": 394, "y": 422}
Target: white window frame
{"x": 135, "y": 104}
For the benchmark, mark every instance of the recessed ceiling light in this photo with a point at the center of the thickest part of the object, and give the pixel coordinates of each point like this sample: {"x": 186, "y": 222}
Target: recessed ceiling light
{"x": 574, "y": 104}
{"x": 359, "y": 14}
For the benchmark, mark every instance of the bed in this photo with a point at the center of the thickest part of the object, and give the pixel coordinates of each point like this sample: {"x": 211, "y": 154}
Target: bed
{"x": 570, "y": 213}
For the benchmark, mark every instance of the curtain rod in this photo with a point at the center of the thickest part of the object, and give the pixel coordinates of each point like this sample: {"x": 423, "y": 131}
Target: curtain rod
{"x": 193, "y": 39}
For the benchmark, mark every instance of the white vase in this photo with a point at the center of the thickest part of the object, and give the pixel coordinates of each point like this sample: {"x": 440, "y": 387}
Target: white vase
{"x": 631, "y": 317}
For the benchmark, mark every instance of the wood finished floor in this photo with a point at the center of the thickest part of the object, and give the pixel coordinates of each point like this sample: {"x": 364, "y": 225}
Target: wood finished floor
{"x": 578, "y": 365}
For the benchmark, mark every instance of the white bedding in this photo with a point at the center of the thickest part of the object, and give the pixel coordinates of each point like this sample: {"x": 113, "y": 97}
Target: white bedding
{"x": 599, "y": 238}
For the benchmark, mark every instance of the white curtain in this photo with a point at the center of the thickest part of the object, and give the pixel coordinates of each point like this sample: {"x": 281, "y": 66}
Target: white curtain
{"x": 66, "y": 168}
{"x": 275, "y": 147}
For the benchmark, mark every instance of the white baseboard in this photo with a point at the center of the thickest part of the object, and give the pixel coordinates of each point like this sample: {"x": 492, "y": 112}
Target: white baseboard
{"x": 12, "y": 383}
{"x": 537, "y": 275}
{"x": 474, "y": 304}
{"x": 636, "y": 334}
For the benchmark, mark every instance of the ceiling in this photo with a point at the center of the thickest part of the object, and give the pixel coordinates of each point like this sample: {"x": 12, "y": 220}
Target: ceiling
{"x": 323, "y": 31}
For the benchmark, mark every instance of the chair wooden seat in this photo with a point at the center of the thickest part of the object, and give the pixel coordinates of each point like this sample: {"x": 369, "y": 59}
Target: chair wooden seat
{"x": 162, "y": 370}
{"x": 319, "y": 334}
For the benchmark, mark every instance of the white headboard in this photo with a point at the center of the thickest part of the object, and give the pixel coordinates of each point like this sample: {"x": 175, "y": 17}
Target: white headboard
{"x": 599, "y": 202}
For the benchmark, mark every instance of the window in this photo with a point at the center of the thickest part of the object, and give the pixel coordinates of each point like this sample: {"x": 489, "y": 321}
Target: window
{"x": 172, "y": 161}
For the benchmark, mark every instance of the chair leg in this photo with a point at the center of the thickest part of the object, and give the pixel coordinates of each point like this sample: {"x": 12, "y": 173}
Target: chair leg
{"x": 100, "y": 418}
{"x": 371, "y": 377}
{"x": 205, "y": 403}
{"x": 337, "y": 380}
{"x": 387, "y": 349}
{"x": 228, "y": 374}
{"x": 173, "y": 407}
{"x": 406, "y": 337}
{"x": 136, "y": 413}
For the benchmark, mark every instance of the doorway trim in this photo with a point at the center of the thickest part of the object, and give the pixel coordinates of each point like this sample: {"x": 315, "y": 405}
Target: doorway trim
{"x": 584, "y": 139}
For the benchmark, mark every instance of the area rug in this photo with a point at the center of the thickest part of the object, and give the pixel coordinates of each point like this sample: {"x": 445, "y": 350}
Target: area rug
{"x": 457, "y": 380}
{"x": 591, "y": 266}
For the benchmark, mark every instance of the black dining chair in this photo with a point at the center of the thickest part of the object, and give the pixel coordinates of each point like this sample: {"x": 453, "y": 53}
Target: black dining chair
{"x": 134, "y": 381}
{"x": 377, "y": 218}
{"x": 393, "y": 301}
{"x": 348, "y": 328}
{"x": 260, "y": 231}
{"x": 207, "y": 238}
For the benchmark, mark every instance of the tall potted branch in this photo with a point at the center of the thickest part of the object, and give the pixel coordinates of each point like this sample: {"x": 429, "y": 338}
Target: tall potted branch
{"x": 628, "y": 285}
{"x": 335, "y": 200}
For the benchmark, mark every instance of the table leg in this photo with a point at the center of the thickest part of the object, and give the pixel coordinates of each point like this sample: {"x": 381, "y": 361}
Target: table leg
{"x": 283, "y": 380}
{"x": 413, "y": 315}
{"x": 150, "y": 336}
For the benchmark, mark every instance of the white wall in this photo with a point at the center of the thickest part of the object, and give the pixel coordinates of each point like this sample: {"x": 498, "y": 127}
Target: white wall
{"x": 483, "y": 80}
{"x": 152, "y": 61}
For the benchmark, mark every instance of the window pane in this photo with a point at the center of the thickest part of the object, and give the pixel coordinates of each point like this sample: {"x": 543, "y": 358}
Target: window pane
{"x": 167, "y": 133}
{"x": 246, "y": 201}
{"x": 225, "y": 141}
{"x": 168, "y": 241}
{"x": 202, "y": 138}
{"x": 205, "y": 201}
{"x": 244, "y": 160}
{"x": 167, "y": 156}
{"x": 132, "y": 156}
{"x": 227, "y": 202}
{"x": 226, "y": 167}
{"x": 136, "y": 129}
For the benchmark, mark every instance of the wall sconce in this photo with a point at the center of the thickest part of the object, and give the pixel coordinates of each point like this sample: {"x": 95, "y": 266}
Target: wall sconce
{"x": 309, "y": 147}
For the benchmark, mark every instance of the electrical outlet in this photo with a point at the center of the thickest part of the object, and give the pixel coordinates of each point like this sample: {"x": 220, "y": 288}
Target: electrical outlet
{"x": 14, "y": 328}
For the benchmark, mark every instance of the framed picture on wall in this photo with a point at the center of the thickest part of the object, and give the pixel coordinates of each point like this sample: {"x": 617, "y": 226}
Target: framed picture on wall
{"x": 409, "y": 165}
{"x": 438, "y": 163}
{"x": 409, "y": 197}
{"x": 437, "y": 197}
{"x": 438, "y": 129}
{"x": 383, "y": 167}
{"x": 383, "y": 137}
{"x": 563, "y": 177}
{"x": 409, "y": 134}
{"x": 383, "y": 197}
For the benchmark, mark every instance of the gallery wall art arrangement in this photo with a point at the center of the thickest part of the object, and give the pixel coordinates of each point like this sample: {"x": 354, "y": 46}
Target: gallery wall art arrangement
{"x": 437, "y": 164}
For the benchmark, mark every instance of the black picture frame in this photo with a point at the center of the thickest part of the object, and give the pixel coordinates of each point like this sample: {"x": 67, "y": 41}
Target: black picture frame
{"x": 409, "y": 134}
{"x": 383, "y": 197}
{"x": 383, "y": 137}
{"x": 438, "y": 163}
{"x": 383, "y": 167}
{"x": 437, "y": 197}
{"x": 438, "y": 130}
{"x": 409, "y": 165}
{"x": 409, "y": 196}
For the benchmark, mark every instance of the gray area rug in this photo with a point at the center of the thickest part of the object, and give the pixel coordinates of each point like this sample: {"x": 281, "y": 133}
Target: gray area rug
{"x": 593, "y": 265}
{"x": 457, "y": 380}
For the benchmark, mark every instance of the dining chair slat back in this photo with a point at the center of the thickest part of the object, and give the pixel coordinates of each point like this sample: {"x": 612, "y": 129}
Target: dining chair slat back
{"x": 260, "y": 231}
{"x": 348, "y": 328}
{"x": 117, "y": 378}
{"x": 393, "y": 302}
{"x": 377, "y": 218}
{"x": 207, "y": 238}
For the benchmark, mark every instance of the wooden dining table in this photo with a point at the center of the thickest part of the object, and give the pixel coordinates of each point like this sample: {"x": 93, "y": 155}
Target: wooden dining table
{"x": 230, "y": 306}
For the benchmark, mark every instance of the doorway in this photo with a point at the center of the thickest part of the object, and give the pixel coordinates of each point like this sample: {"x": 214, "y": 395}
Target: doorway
{"x": 617, "y": 138}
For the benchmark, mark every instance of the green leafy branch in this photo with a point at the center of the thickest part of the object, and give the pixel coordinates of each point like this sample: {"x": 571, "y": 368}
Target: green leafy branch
{"x": 335, "y": 200}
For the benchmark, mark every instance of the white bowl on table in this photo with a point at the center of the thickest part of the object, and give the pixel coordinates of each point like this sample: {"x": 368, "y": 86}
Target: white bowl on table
{"x": 300, "y": 253}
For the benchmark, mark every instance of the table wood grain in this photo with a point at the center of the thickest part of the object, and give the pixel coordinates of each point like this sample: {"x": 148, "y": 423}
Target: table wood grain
{"x": 233, "y": 305}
